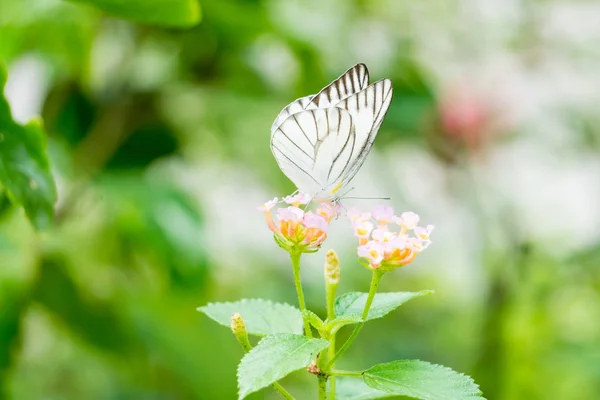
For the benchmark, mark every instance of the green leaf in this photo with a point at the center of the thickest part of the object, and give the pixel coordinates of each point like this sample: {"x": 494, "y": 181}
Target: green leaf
{"x": 261, "y": 317}
{"x": 24, "y": 168}
{"x": 349, "y": 306}
{"x": 273, "y": 358}
{"x": 356, "y": 389}
{"x": 421, "y": 380}
{"x": 172, "y": 13}
{"x": 313, "y": 319}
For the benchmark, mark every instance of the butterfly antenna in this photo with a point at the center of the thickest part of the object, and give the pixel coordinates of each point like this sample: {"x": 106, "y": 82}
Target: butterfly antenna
{"x": 343, "y": 196}
{"x": 369, "y": 198}
{"x": 362, "y": 198}
{"x": 344, "y": 208}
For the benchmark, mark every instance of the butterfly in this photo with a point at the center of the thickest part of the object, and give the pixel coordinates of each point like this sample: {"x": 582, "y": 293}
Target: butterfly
{"x": 321, "y": 141}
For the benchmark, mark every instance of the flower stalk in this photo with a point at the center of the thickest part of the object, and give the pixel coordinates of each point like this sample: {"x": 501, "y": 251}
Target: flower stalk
{"x": 375, "y": 279}
{"x": 322, "y": 382}
{"x": 295, "y": 257}
{"x": 332, "y": 280}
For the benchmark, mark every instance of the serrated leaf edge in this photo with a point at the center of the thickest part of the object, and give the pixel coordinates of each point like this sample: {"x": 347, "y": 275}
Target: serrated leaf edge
{"x": 428, "y": 363}
{"x": 246, "y": 301}
{"x": 417, "y": 294}
{"x": 270, "y": 302}
{"x": 254, "y": 349}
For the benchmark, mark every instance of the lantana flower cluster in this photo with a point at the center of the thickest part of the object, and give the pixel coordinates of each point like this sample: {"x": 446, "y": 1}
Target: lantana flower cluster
{"x": 296, "y": 229}
{"x": 387, "y": 241}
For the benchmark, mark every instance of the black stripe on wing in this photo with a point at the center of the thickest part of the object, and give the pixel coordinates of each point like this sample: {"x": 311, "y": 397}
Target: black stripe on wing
{"x": 348, "y": 144}
{"x": 295, "y": 143}
{"x": 342, "y": 161}
{"x": 274, "y": 149}
{"x": 333, "y": 151}
{"x": 291, "y": 109}
{"x": 376, "y": 98}
{"x": 353, "y": 80}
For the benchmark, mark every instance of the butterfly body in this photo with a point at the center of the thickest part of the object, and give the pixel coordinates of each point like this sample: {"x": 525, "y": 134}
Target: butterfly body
{"x": 321, "y": 141}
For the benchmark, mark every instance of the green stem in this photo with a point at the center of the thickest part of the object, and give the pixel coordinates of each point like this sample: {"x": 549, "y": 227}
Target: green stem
{"x": 295, "y": 256}
{"x": 330, "y": 290}
{"x": 372, "y": 290}
{"x": 322, "y": 387}
{"x": 337, "y": 372}
{"x": 322, "y": 378}
{"x": 283, "y": 392}
{"x": 243, "y": 340}
{"x": 330, "y": 298}
{"x": 375, "y": 279}
{"x": 330, "y": 356}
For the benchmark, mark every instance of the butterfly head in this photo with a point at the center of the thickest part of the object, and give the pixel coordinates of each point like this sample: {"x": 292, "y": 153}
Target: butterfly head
{"x": 329, "y": 194}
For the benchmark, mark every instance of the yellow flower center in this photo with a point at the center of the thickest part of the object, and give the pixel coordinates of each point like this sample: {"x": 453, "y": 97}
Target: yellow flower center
{"x": 373, "y": 253}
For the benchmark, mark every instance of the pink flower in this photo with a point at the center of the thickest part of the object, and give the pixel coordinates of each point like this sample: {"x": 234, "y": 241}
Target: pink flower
{"x": 316, "y": 229}
{"x": 297, "y": 199}
{"x": 329, "y": 210}
{"x": 372, "y": 251}
{"x": 408, "y": 220}
{"x": 291, "y": 214}
{"x": 296, "y": 230}
{"x": 415, "y": 245}
{"x": 362, "y": 230}
{"x": 266, "y": 208}
{"x": 400, "y": 257}
{"x": 288, "y": 219}
{"x": 423, "y": 233}
{"x": 315, "y": 221}
{"x": 387, "y": 250}
{"x": 269, "y": 205}
{"x": 383, "y": 214}
{"x": 355, "y": 215}
{"x": 383, "y": 235}
{"x": 392, "y": 246}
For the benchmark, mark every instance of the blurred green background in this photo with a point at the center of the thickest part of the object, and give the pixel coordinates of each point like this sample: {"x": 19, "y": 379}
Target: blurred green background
{"x": 158, "y": 129}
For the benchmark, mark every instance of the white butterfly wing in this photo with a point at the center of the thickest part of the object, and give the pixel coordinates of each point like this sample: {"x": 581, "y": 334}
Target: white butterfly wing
{"x": 321, "y": 141}
{"x": 310, "y": 146}
{"x": 294, "y": 107}
{"x": 335, "y": 148}
{"x": 350, "y": 82}
{"x": 367, "y": 108}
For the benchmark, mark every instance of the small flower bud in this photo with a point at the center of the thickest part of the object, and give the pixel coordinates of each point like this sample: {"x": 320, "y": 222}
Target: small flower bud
{"x": 239, "y": 330}
{"x": 237, "y": 324}
{"x": 332, "y": 268}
